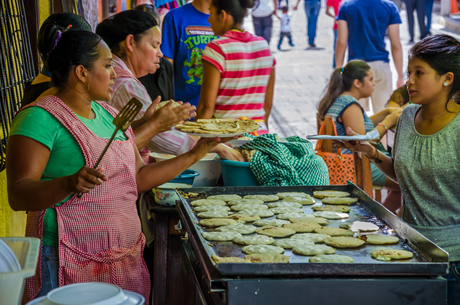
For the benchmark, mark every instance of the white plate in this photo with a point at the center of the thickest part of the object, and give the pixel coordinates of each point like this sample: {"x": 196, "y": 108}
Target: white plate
{"x": 8, "y": 260}
{"x": 370, "y": 136}
{"x": 224, "y": 135}
{"x": 131, "y": 298}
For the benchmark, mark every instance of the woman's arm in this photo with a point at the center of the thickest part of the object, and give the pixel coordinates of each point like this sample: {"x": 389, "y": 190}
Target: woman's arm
{"x": 27, "y": 160}
{"x": 154, "y": 174}
{"x": 209, "y": 90}
{"x": 269, "y": 96}
{"x": 353, "y": 118}
{"x": 383, "y": 162}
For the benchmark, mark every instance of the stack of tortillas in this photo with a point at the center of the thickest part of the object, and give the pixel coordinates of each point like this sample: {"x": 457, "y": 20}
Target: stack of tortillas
{"x": 218, "y": 126}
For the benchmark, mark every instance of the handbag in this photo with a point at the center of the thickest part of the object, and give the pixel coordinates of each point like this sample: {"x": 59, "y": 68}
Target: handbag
{"x": 341, "y": 166}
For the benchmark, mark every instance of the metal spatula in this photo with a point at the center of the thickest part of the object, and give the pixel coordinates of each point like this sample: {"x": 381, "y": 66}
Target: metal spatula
{"x": 122, "y": 121}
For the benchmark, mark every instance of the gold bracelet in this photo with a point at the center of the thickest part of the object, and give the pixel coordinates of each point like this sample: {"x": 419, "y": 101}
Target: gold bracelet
{"x": 376, "y": 156}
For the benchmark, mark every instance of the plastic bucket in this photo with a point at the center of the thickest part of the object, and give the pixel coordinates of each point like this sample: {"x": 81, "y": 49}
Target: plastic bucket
{"x": 186, "y": 177}
{"x": 236, "y": 173}
{"x": 26, "y": 250}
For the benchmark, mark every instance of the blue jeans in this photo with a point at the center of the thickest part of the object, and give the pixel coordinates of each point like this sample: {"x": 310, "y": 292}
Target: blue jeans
{"x": 428, "y": 10}
{"x": 50, "y": 267}
{"x": 285, "y": 34}
{"x": 333, "y": 50}
{"x": 312, "y": 11}
{"x": 419, "y": 6}
{"x": 263, "y": 27}
{"x": 453, "y": 284}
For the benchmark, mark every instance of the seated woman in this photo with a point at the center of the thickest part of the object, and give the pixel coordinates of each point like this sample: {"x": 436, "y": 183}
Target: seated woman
{"x": 340, "y": 100}
{"x": 238, "y": 68}
{"x": 41, "y": 85}
{"x": 53, "y": 146}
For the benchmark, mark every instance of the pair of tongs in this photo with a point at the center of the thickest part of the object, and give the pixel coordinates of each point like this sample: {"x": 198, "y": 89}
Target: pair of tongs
{"x": 122, "y": 121}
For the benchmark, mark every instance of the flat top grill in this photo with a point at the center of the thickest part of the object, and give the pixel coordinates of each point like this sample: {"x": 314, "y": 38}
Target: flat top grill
{"x": 428, "y": 258}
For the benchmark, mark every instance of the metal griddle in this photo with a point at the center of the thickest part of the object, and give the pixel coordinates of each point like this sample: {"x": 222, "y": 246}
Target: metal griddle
{"x": 429, "y": 260}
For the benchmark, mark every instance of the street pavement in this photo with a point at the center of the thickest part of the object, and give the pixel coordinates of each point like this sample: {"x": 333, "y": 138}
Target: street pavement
{"x": 302, "y": 73}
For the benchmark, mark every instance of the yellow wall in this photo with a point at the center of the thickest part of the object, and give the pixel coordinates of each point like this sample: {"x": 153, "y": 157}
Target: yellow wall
{"x": 13, "y": 223}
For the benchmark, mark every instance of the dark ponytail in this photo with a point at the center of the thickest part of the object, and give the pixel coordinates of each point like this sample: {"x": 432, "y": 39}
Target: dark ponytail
{"x": 442, "y": 53}
{"x": 341, "y": 80}
{"x": 236, "y": 8}
{"x": 55, "y": 23}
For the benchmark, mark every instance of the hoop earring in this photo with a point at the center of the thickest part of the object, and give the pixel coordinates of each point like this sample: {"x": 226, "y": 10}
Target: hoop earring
{"x": 79, "y": 91}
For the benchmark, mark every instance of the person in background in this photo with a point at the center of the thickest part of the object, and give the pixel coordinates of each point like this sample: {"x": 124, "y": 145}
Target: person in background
{"x": 160, "y": 83}
{"x": 186, "y": 32}
{"x": 239, "y": 73}
{"x": 340, "y": 100}
{"x": 285, "y": 27}
{"x": 334, "y": 4}
{"x": 41, "y": 85}
{"x": 262, "y": 17}
{"x": 52, "y": 148}
{"x": 362, "y": 25}
{"x": 428, "y": 12}
{"x": 399, "y": 98}
{"x": 312, "y": 8}
{"x": 419, "y": 7}
{"x": 425, "y": 159}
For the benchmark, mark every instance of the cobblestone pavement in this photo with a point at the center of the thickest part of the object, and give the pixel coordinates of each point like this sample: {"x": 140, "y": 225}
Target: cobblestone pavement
{"x": 302, "y": 74}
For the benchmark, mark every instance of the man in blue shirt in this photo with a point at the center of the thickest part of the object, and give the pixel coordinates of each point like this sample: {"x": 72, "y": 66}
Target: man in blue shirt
{"x": 363, "y": 23}
{"x": 186, "y": 32}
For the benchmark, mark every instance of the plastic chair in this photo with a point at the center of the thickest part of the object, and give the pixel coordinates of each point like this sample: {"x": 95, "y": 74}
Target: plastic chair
{"x": 363, "y": 172}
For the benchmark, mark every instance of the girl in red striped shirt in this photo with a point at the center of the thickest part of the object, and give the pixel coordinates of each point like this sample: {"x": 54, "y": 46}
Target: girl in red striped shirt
{"x": 238, "y": 68}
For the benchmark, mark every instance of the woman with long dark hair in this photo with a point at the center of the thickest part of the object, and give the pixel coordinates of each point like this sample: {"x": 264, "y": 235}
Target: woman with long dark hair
{"x": 340, "y": 100}
{"x": 426, "y": 159}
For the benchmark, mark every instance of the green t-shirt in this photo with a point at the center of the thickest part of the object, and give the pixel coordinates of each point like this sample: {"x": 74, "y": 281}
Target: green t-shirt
{"x": 66, "y": 157}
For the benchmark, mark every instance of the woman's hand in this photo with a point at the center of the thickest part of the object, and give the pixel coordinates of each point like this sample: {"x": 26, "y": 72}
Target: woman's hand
{"x": 391, "y": 119}
{"x": 228, "y": 153}
{"x": 357, "y": 146}
{"x": 167, "y": 117}
{"x": 85, "y": 180}
{"x": 205, "y": 145}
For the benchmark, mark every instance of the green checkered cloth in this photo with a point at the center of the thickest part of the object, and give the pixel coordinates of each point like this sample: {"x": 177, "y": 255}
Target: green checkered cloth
{"x": 293, "y": 163}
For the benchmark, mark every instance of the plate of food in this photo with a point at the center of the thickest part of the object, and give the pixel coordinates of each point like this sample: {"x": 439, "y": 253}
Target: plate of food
{"x": 222, "y": 128}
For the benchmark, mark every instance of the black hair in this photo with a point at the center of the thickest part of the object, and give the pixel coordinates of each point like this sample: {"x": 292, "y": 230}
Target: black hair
{"x": 115, "y": 29}
{"x": 285, "y": 9}
{"x": 148, "y": 8}
{"x": 341, "y": 80}
{"x": 52, "y": 25}
{"x": 236, "y": 8}
{"x": 71, "y": 49}
{"x": 442, "y": 53}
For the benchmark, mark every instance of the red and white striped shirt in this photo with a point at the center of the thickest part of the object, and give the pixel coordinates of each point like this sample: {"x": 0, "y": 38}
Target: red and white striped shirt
{"x": 245, "y": 63}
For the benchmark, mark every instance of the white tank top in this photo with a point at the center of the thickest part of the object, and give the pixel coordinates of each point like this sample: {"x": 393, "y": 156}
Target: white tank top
{"x": 263, "y": 8}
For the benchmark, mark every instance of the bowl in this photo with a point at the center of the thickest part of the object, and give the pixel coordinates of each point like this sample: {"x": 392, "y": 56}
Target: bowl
{"x": 235, "y": 173}
{"x": 187, "y": 177}
{"x": 165, "y": 194}
{"x": 89, "y": 293}
{"x": 209, "y": 169}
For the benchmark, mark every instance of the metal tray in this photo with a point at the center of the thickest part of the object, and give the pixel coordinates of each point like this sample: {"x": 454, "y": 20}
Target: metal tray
{"x": 428, "y": 260}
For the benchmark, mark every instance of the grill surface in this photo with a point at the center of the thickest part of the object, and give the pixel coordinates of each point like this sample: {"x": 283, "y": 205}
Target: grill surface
{"x": 428, "y": 260}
